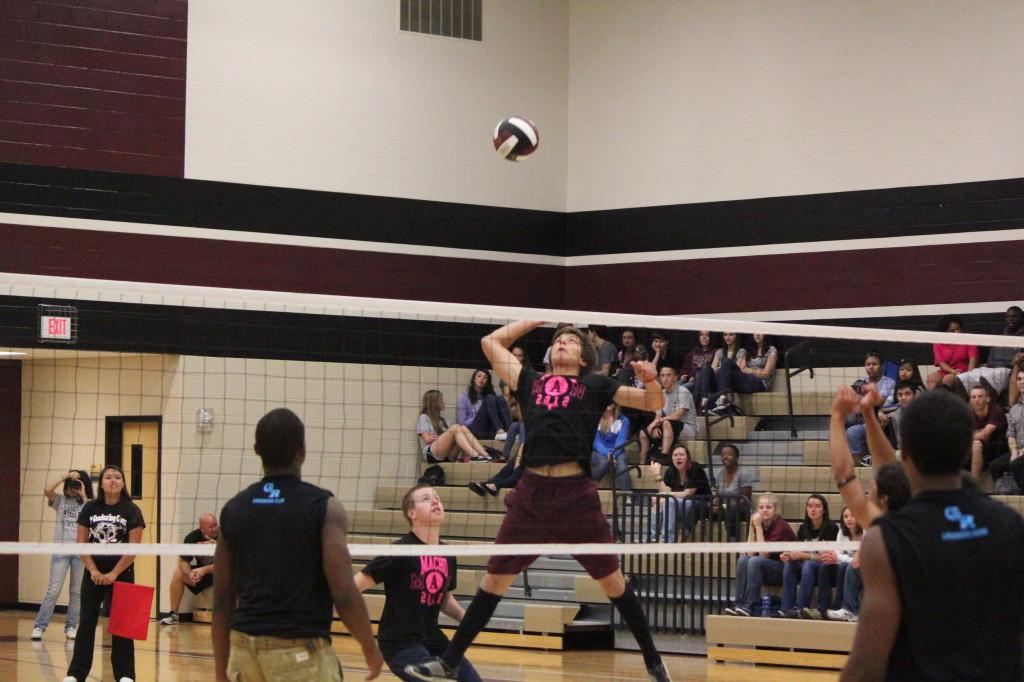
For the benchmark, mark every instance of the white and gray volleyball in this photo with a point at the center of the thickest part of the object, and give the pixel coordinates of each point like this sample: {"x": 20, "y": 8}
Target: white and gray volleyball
{"x": 515, "y": 137}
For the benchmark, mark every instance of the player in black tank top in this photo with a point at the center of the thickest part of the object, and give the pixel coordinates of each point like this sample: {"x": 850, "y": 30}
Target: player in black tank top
{"x": 282, "y": 565}
{"x": 555, "y": 500}
{"x": 942, "y": 576}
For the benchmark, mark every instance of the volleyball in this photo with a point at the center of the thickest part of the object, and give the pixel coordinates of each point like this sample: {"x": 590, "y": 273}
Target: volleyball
{"x": 515, "y": 137}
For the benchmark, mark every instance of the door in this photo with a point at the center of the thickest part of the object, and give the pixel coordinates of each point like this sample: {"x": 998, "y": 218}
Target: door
{"x": 134, "y": 445}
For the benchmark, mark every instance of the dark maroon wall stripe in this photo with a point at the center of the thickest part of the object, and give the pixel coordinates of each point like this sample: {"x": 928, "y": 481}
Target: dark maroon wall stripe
{"x": 958, "y": 273}
{"x": 300, "y": 269}
{"x": 94, "y": 84}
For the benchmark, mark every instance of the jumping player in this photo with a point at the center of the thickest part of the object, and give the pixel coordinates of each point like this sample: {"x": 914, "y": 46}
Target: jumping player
{"x": 555, "y": 501}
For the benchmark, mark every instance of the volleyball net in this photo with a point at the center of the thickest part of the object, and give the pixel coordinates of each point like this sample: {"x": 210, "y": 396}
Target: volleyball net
{"x": 170, "y": 387}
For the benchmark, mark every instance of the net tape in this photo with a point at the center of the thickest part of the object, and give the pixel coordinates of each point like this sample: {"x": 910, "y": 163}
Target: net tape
{"x": 371, "y": 549}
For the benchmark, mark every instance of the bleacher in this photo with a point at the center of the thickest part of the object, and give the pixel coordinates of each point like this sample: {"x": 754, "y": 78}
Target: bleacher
{"x": 563, "y": 601}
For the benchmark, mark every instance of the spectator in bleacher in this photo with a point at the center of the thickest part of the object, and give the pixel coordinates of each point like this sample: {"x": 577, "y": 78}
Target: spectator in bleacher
{"x": 885, "y": 387}
{"x": 909, "y": 371}
{"x": 417, "y": 589}
{"x": 750, "y": 372}
{"x": 609, "y": 448}
{"x": 698, "y": 356}
{"x": 685, "y": 489}
{"x": 996, "y": 370}
{"x": 676, "y": 420}
{"x": 760, "y": 568}
{"x": 440, "y": 442}
{"x": 989, "y": 431}
{"x": 625, "y": 353}
{"x": 507, "y": 477}
{"x": 516, "y": 430}
{"x": 803, "y": 567}
{"x": 733, "y": 482}
{"x": 730, "y": 348}
{"x": 846, "y": 603}
{"x": 1011, "y": 460}
{"x": 628, "y": 377}
{"x": 951, "y": 359}
{"x": 485, "y": 413}
{"x": 606, "y": 354}
{"x": 889, "y": 418}
{"x": 664, "y": 356}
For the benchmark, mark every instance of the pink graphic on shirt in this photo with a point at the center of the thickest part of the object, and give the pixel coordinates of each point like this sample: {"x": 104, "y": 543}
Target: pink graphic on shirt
{"x": 554, "y": 392}
{"x": 431, "y": 581}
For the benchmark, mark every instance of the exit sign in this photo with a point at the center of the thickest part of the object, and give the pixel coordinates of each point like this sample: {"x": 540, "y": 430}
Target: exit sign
{"x": 55, "y": 328}
{"x": 58, "y": 324}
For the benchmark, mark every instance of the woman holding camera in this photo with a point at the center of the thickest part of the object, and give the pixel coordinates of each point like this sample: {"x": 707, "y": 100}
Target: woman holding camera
{"x": 77, "y": 488}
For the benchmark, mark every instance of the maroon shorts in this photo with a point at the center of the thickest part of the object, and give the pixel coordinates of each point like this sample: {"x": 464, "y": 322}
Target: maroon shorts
{"x": 544, "y": 509}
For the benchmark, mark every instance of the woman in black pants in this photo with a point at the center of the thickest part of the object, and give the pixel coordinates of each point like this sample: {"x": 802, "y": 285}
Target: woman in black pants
{"x": 110, "y": 518}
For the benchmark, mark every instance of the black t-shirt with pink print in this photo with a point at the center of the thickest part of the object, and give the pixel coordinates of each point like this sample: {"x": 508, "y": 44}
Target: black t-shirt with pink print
{"x": 561, "y": 414}
{"x": 414, "y": 589}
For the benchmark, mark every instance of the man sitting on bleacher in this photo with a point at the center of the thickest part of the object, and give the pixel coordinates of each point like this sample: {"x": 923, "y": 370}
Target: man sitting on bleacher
{"x": 193, "y": 572}
{"x": 996, "y": 370}
{"x": 417, "y": 589}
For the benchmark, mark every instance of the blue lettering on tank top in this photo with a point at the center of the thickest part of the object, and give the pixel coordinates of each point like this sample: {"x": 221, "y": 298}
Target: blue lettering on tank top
{"x": 273, "y": 495}
{"x": 968, "y": 528}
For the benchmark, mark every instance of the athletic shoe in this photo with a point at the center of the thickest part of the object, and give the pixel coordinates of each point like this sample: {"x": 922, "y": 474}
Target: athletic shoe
{"x": 501, "y": 435}
{"x": 659, "y": 674}
{"x": 494, "y": 453}
{"x": 126, "y": 679}
{"x": 479, "y": 458}
{"x": 841, "y": 614}
{"x": 741, "y": 611}
{"x": 812, "y": 614}
{"x": 730, "y": 611}
{"x": 790, "y": 613}
{"x": 865, "y": 460}
{"x": 37, "y": 634}
{"x": 430, "y": 671}
{"x": 69, "y": 678}
{"x": 71, "y": 633}
{"x": 170, "y": 619}
{"x": 477, "y": 488}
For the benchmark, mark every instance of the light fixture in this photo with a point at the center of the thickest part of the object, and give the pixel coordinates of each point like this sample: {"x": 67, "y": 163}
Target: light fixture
{"x": 204, "y": 420}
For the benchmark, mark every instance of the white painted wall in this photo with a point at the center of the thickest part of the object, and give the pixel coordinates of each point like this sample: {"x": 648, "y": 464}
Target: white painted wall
{"x": 680, "y": 101}
{"x": 330, "y": 95}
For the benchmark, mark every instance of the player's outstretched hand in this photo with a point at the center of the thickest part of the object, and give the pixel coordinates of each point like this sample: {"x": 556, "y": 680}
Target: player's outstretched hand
{"x": 868, "y": 398}
{"x": 374, "y": 661}
{"x": 845, "y": 402}
{"x": 647, "y": 371}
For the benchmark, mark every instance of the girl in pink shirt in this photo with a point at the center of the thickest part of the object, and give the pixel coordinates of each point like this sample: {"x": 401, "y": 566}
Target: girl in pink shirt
{"x": 951, "y": 359}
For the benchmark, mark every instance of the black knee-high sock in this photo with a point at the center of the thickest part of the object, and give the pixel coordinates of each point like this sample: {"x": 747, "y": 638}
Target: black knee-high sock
{"x": 633, "y": 614}
{"x": 477, "y": 615}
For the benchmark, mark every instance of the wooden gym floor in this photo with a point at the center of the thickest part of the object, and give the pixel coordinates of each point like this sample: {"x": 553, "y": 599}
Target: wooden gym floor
{"x": 183, "y": 653}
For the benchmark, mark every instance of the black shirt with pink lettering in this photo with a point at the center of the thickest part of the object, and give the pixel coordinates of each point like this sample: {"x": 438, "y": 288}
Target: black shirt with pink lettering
{"x": 414, "y": 592}
{"x": 561, "y": 414}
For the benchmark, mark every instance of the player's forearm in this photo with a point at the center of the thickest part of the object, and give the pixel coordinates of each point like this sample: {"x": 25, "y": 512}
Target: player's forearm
{"x": 838, "y": 451}
{"x": 878, "y": 445}
{"x": 510, "y": 333}
{"x": 653, "y": 397}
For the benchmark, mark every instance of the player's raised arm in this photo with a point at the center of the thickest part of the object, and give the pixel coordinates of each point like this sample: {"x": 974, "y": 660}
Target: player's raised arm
{"x": 881, "y": 449}
{"x": 496, "y": 347}
{"x": 650, "y": 399}
{"x": 864, "y": 511}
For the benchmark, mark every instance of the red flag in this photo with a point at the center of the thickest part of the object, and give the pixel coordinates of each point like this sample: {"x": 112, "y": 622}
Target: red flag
{"x": 129, "y": 610}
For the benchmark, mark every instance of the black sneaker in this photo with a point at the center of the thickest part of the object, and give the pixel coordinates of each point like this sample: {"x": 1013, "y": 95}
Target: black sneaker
{"x": 430, "y": 671}
{"x": 477, "y": 488}
{"x": 741, "y": 611}
{"x": 659, "y": 674}
{"x": 865, "y": 460}
{"x": 791, "y": 613}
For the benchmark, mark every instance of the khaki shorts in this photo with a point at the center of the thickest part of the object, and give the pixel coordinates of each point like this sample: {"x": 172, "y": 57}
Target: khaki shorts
{"x": 276, "y": 659}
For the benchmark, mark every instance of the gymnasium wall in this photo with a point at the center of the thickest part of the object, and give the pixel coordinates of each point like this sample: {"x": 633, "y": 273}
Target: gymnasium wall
{"x": 683, "y": 102}
{"x": 332, "y": 96}
{"x": 359, "y": 419}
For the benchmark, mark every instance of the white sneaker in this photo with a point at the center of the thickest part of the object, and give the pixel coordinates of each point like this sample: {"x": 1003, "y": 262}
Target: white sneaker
{"x": 37, "y": 634}
{"x": 500, "y": 435}
{"x": 69, "y": 678}
{"x": 170, "y": 619}
{"x": 71, "y": 633}
{"x": 126, "y": 679}
{"x": 841, "y": 614}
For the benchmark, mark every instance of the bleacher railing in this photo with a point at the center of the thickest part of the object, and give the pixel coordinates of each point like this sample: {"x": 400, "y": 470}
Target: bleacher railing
{"x": 678, "y": 591}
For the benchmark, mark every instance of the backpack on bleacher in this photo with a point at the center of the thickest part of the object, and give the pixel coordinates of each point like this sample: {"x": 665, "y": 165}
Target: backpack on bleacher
{"x": 433, "y": 476}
